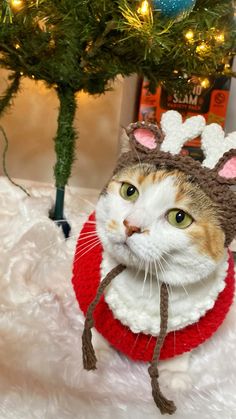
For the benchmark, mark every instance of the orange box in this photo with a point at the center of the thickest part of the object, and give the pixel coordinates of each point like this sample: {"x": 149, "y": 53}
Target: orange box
{"x": 211, "y": 104}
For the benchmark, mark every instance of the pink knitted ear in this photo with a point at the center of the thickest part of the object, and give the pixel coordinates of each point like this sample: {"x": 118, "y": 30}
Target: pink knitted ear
{"x": 145, "y": 137}
{"x": 228, "y": 171}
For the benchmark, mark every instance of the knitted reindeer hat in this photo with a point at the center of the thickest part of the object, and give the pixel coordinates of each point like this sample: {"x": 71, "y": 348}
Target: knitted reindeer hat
{"x": 161, "y": 146}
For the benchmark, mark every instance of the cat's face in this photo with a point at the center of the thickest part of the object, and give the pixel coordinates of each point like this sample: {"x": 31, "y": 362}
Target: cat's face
{"x": 157, "y": 219}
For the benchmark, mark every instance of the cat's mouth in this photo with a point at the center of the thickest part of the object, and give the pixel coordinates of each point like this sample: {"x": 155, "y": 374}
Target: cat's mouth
{"x": 127, "y": 248}
{"x": 124, "y": 245}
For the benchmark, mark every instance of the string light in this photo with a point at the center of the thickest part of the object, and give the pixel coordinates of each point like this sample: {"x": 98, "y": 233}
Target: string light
{"x": 202, "y": 49}
{"x": 144, "y": 8}
{"x": 220, "y": 37}
{"x": 205, "y": 83}
{"x": 17, "y": 46}
{"x": 189, "y": 35}
{"x": 227, "y": 67}
{"x": 16, "y": 4}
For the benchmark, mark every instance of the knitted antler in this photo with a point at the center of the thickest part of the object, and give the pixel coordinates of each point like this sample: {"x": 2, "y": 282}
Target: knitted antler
{"x": 215, "y": 144}
{"x": 177, "y": 133}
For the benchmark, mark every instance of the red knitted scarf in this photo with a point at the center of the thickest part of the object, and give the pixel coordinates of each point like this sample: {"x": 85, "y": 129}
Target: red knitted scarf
{"x": 86, "y": 279}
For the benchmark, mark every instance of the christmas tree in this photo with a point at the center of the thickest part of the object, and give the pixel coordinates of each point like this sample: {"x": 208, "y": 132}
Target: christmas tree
{"x": 75, "y": 45}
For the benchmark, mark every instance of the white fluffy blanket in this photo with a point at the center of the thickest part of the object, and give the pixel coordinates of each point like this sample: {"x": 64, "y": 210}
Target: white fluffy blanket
{"x": 41, "y": 374}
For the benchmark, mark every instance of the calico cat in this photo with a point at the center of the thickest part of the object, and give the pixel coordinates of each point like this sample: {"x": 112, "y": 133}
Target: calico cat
{"x": 162, "y": 227}
{"x": 167, "y": 219}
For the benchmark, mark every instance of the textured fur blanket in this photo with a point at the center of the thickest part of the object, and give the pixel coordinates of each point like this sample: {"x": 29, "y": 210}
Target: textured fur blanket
{"x": 41, "y": 374}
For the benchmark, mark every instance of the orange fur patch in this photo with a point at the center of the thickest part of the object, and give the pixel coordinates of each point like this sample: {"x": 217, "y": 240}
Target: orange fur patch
{"x": 209, "y": 239}
{"x": 205, "y": 232}
{"x": 112, "y": 225}
{"x": 141, "y": 178}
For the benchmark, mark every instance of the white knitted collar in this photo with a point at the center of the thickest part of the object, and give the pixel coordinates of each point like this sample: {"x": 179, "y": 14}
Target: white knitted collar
{"x": 137, "y": 306}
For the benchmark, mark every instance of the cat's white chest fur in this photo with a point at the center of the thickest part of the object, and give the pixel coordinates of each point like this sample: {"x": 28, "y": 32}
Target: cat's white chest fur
{"x": 134, "y": 298}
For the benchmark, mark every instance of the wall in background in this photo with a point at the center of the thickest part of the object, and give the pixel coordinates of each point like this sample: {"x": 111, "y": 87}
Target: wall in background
{"x": 31, "y": 126}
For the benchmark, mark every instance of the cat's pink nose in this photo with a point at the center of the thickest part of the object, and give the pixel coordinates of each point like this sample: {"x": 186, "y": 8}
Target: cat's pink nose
{"x": 129, "y": 229}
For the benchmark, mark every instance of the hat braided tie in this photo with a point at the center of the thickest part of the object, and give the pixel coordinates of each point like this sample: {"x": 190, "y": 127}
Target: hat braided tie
{"x": 89, "y": 357}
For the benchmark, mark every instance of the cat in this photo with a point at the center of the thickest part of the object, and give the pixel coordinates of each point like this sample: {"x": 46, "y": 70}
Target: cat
{"x": 158, "y": 222}
{"x": 163, "y": 222}
{"x": 164, "y": 228}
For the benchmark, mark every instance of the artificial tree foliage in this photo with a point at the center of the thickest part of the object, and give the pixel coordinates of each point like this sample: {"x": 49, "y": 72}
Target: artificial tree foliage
{"x": 75, "y": 45}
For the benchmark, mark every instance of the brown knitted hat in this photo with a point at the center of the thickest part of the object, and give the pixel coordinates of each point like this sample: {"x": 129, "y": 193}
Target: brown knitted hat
{"x": 146, "y": 142}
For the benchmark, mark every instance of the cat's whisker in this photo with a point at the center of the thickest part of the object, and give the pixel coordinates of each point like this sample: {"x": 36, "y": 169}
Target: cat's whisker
{"x": 150, "y": 291}
{"x": 139, "y": 268}
{"x": 157, "y": 277}
{"x": 186, "y": 292}
{"x": 135, "y": 342}
{"x": 67, "y": 219}
{"x": 161, "y": 268}
{"x": 167, "y": 263}
{"x": 145, "y": 275}
{"x": 88, "y": 250}
{"x": 84, "y": 248}
{"x": 83, "y": 236}
{"x": 52, "y": 244}
{"x": 87, "y": 201}
{"x": 168, "y": 287}
{"x": 59, "y": 241}
{"x": 85, "y": 240}
{"x": 124, "y": 334}
{"x": 147, "y": 344}
{"x": 169, "y": 255}
{"x": 86, "y": 245}
{"x": 199, "y": 331}
{"x": 72, "y": 236}
{"x": 171, "y": 290}
{"x": 174, "y": 342}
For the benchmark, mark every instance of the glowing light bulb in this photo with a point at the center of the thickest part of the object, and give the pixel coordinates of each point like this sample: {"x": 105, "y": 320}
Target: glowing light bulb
{"x": 227, "y": 67}
{"x": 205, "y": 83}
{"x": 203, "y": 48}
{"x": 189, "y": 35}
{"x": 144, "y": 8}
{"x": 16, "y": 4}
{"x": 220, "y": 37}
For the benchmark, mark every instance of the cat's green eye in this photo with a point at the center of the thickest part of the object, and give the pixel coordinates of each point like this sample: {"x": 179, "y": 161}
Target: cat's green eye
{"x": 129, "y": 192}
{"x": 179, "y": 218}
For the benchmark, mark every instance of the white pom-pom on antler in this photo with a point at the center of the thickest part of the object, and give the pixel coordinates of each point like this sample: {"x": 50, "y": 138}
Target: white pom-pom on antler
{"x": 215, "y": 144}
{"x": 177, "y": 133}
